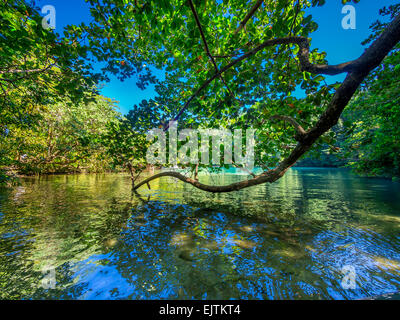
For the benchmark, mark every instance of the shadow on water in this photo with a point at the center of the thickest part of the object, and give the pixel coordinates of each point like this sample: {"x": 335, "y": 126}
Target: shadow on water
{"x": 287, "y": 240}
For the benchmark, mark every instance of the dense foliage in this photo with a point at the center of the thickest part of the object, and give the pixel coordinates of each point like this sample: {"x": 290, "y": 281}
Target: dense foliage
{"x": 52, "y": 117}
{"x": 220, "y": 71}
{"x": 64, "y": 139}
{"x": 371, "y": 122}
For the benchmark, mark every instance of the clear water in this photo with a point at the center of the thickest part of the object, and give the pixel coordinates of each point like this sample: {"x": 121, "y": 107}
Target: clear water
{"x": 287, "y": 240}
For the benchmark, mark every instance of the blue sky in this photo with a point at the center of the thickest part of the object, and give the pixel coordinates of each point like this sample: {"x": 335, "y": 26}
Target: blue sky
{"x": 341, "y": 45}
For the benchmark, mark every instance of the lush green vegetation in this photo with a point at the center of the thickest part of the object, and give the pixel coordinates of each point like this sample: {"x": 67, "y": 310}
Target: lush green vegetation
{"x": 372, "y": 135}
{"x": 231, "y": 64}
{"x": 368, "y": 133}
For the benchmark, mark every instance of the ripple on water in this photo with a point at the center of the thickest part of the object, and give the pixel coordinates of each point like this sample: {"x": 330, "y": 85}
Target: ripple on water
{"x": 290, "y": 239}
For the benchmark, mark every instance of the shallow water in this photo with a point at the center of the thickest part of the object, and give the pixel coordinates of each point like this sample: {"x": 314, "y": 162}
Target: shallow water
{"x": 87, "y": 237}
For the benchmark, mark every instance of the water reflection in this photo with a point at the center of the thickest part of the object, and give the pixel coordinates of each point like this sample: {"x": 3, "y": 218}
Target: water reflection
{"x": 280, "y": 241}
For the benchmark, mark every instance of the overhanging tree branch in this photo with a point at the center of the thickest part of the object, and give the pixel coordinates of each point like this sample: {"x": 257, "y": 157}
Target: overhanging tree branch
{"x": 304, "y": 58}
{"x": 196, "y": 17}
{"x": 300, "y": 131}
{"x": 207, "y": 49}
{"x": 13, "y": 71}
{"x": 358, "y": 71}
{"x": 249, "y": 15}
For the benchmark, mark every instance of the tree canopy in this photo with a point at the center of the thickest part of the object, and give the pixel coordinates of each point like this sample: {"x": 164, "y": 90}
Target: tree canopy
{"x": 230, "y": 64}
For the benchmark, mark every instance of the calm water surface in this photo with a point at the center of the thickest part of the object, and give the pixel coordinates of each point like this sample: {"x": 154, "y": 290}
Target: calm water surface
{"x": 288, "y": 240}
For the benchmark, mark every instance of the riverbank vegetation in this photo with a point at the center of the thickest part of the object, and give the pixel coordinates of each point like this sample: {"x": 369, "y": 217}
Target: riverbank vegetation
{"x": 232, "y": 64}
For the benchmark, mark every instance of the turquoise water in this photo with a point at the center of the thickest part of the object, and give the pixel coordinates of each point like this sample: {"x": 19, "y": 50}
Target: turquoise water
{"x": 88, "y": 237}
